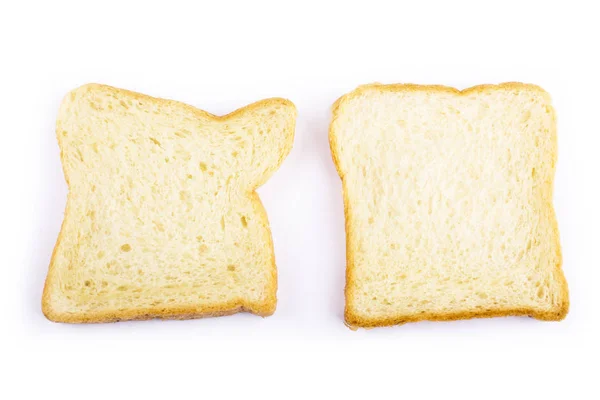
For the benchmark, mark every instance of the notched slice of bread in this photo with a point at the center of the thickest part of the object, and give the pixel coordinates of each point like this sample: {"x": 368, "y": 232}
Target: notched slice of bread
{"x": 448, "y": 203}
{"x": 162, "y": 219}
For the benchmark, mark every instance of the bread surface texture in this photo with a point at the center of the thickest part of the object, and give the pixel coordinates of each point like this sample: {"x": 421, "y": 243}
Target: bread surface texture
{"x": 162, "y": 218}
{"x": 448, "y": 203}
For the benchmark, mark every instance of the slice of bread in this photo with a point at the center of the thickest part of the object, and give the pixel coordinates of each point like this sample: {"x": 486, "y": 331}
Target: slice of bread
{"x": 162, "y": 218}
{"x": 448, "y": 203}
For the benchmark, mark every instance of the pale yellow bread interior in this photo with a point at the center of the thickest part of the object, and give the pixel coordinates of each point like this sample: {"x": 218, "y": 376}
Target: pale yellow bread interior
{"x": 448, "y": 203}
{"x": 162, "y": 219}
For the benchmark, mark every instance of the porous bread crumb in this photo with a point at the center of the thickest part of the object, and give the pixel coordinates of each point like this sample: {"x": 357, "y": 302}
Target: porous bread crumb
{"x": 162, "y": 219}
{"x": 448, "y": 203}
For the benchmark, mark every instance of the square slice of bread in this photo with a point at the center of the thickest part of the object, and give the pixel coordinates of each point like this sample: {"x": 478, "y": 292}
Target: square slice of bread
{"x": 448, "y": 203}
{"x": 162, "y": 218}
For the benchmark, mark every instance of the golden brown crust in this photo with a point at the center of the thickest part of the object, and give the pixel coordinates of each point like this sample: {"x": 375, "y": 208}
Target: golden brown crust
{"x": 353, "y": 320}
{"x": 171, "y": 312}
{"x": 263, "y": 309}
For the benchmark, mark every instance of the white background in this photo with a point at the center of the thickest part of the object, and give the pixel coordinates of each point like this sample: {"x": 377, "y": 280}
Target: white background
{"x": 219, "y": 56}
